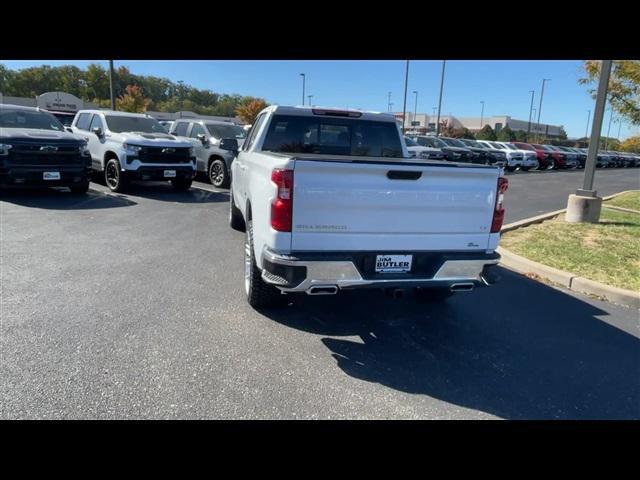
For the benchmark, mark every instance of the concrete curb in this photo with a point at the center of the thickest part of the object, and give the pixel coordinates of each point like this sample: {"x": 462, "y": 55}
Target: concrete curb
{"x": 569, "y": 280}
{"x": 524, "y": 265}
{"x": 621, "y": 209}
{"x": 546, "y": 216}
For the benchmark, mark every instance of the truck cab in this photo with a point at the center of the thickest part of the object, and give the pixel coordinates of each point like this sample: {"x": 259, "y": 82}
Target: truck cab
{"x": 330, "y": 200}
{"x": 205, "y": 136}
{"x": 133, "y": 146}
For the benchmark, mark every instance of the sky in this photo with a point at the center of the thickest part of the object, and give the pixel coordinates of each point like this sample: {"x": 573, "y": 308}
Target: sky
{"x": 504, "y": 86}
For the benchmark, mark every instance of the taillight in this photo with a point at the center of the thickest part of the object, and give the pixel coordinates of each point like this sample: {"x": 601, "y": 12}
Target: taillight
{"x": 498, "y": 212}
{"x": 282, "y": 207}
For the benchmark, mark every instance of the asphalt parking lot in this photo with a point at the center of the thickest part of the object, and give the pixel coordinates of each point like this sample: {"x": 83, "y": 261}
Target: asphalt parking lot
{"x": 131, "y": 306}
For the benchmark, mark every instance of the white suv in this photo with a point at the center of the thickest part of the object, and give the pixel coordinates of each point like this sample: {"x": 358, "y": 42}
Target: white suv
{"x": 515, "y": 158}
{"x": 133, "y": 146}
{"x": 529, "y": 158}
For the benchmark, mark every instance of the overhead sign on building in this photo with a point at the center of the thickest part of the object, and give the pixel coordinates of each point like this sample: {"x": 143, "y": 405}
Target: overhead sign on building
{"x": 59, "y": 102}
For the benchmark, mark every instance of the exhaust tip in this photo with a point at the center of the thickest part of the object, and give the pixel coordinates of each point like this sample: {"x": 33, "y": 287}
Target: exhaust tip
{"x": 462, "y": 287}
{"x": 323, "y": 290}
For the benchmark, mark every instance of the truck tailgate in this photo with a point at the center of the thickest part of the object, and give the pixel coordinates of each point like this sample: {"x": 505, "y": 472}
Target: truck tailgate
{"x": 389, "y": 206}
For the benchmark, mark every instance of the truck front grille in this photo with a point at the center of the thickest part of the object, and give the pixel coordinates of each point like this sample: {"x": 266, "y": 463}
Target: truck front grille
{"x": 164, "y": 155}
{"x": 53, "y": 156}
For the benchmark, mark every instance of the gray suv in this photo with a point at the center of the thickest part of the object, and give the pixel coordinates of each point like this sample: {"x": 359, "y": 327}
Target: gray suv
{"x": 205, "y": 135}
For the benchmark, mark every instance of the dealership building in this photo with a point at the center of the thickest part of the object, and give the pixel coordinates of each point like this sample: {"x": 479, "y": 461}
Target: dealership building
{"x": 64, "y": 106}
{"x": 427, "y": 123}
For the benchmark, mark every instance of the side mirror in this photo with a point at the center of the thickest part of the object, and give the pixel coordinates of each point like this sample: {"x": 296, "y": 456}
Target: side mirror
{"x": 97, "y": 131}
{"x": 202, "y": 138}
{"x": 230, "y": 144}
{"x": 68, "y": 129}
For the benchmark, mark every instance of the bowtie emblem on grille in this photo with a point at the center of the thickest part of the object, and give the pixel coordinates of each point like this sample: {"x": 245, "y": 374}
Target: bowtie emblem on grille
{"x": 48, "y": 148}
{"x": 168, "y": 150}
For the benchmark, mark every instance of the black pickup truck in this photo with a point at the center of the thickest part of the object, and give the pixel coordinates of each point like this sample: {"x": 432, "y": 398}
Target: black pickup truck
{"x": 35, "y": 150}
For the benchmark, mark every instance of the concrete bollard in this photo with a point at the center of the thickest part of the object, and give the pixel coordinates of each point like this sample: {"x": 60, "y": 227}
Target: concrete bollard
{"x": 583, "y": 209}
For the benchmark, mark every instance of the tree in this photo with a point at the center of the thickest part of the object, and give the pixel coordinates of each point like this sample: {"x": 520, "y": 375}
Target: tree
{"x": 133, "y": 100}
{"x": 248, "y": 111}
{"x": 92, "y": 84}
{"x": 446, "y": 130}
{"x": 624, "y": 86}
{"x": 486, "y": 133}
{"x": 563, "y": 133}
{"x": 520, "y": 136}
{"x": 610, "y": 142}
{"x": 505, "y": 135}
{"x": 631, "y": 144}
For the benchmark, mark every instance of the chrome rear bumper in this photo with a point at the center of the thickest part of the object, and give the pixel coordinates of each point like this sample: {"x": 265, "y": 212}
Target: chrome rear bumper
{"x": 292, "y": 274}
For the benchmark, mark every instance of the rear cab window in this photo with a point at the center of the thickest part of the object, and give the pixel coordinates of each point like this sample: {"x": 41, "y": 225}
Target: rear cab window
{"x": 332, "y": 136}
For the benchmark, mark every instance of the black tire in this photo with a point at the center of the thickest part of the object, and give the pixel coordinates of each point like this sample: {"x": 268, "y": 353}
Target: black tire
{"x": 236, "y": 221}
{"x": 181, "y": 184}
{"x": 259, "y": 293}
{"x": 218, "y": 174}
{"x": 509, "y": 169}
{"x": 113, "y": 177}
{"x": 81, "y": 189}
{"x": 439, "y": 294}
{"x": 525, "y": 169}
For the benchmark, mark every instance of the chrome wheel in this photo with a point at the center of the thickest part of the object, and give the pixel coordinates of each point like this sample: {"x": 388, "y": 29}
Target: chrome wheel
{"x": 216, "y": 174}
{"x": 112, "y": 175}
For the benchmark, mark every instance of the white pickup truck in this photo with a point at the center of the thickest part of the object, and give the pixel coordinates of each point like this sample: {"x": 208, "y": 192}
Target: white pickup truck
{"x": 330, "y": 200}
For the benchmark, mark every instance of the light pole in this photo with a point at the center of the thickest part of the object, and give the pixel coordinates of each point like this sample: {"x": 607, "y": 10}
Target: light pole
{"x": 481, "y": 114}
{"x": 113, "y": 99}
{"x": 415, "y": 108}
{"x": 532, "y": 92}
{"x": 444, "y": 62}
{"x": 309, "y": 97}
{"x": 606, "y": 139}
{"x": 404, "y": 108}
{"x": 586, "y": 133}
{"x": 585, "y": 205}
{"x": 389, "y": 102}
{"x": 304, "y": 77}
{"x": 540, "y": 106}
{"x": 619, "y": 127}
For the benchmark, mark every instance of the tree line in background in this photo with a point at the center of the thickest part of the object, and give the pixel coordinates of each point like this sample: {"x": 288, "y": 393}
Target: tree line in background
{"x": 135, "y": 93}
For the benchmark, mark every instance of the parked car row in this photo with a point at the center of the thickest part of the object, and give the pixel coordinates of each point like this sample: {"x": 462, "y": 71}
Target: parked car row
{"x": 512, "y": 155}
{"x": 37, "y": 149}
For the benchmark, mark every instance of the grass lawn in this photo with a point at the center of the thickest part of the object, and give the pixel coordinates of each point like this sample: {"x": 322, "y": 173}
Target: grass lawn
{"x": 626, "y": 200}
{"x": 608, "y": 252}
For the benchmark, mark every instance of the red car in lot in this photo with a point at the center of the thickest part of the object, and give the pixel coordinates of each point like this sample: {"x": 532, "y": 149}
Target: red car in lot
{"x": 558, "y": 159}
{"x": 545, "y": 160}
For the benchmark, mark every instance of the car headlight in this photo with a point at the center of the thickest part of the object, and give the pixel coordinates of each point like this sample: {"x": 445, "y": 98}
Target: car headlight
{"x": 4, "y": 149}
{"x": 131, "y": 149}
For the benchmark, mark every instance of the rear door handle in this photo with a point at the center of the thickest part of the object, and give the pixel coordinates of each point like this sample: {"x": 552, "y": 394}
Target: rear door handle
{"x": 403, "y": 175}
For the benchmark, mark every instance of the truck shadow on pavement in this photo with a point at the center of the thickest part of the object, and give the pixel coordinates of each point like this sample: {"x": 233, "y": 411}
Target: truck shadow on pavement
{"x": 519, "y": 350}
{"x": 62, "y": 199}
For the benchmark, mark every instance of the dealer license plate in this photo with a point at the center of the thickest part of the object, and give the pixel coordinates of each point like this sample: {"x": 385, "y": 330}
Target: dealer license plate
{"x": 51, "y": 175}
{"x": 393, "y": 263}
